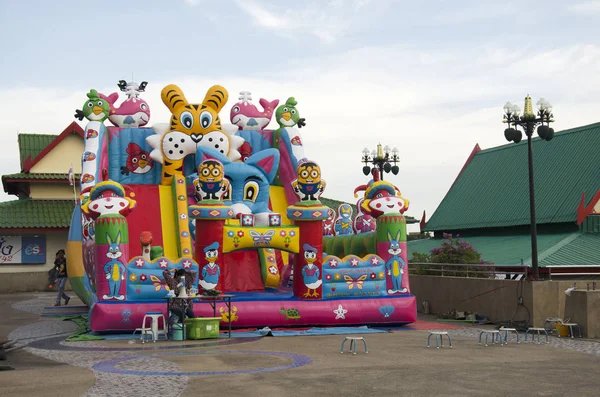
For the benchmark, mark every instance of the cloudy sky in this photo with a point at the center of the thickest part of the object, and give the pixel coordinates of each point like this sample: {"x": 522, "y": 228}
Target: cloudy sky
{"x": 427, "y": 77}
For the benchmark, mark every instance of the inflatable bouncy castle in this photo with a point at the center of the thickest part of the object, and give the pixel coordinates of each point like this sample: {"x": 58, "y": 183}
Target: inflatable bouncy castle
{"x": 237, "y": 205}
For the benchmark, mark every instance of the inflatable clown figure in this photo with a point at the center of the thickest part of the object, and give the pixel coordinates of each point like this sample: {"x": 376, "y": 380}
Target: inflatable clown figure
{"x": 108, "y": 205}
{"x": 381, "y": 197}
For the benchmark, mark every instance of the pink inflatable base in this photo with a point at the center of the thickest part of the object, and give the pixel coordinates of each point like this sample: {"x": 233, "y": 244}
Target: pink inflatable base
{"x": 251, "y": 313}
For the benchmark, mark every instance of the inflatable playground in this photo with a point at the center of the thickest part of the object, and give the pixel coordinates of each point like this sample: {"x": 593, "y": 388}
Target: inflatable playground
{"x": 238, "y": 205}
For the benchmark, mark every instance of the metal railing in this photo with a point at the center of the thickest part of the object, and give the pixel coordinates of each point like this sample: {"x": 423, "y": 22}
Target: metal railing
{"x": 467, "y": 270}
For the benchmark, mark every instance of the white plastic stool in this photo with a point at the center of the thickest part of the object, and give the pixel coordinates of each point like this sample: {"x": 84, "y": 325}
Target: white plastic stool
{"x": 440, "y": 335}
{"x": 506, "y": 331}
{"x": 496, "y": 337}
{"x": 538, "y": 330}
{"x": 353, "y": 340}
{"x": 154, "y": 329}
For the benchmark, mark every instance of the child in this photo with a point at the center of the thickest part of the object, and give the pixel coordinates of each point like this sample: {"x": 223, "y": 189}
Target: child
{"x": 60, "y": 265}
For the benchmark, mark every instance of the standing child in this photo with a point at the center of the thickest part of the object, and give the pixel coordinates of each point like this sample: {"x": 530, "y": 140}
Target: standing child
{"x": 60, "y": 264}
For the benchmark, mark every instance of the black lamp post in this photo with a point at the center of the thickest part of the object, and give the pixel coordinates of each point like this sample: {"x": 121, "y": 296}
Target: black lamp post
{"x": 528, "y": 121}
{"x": 382, "y": 159}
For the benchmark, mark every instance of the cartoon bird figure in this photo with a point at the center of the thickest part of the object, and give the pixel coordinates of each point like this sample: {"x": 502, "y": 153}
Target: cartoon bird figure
{"x": 211, "y": 271}
{"x": 309, "y": 185}
{"x": 211, "y": 183}
{"x": 287, "y": 115}
{"x": 311, "y": 274}
{"x": 343, "y": 224}
{"x": 94, "y": 109}
{"x": 138, "y": 161}
{"x": 245, "y": 151}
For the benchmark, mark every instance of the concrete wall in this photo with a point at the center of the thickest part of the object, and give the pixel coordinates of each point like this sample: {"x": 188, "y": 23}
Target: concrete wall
{"x": 58, "y": 160}
{"x": 495, "y": 299}
{"x": 25, "y": 282}
{"x": 583, "y": 308}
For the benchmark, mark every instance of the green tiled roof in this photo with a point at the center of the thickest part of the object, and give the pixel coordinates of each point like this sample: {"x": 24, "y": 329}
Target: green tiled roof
{"x": 29, "y": 213}
{"x": 493, "y": 189}
{"x": 334, "y": 204}
{"x": 584, "y": 249}
{"x": 28, "y": 176}
{"x": 571, "y": 248}
{"x": 33, "y": 144}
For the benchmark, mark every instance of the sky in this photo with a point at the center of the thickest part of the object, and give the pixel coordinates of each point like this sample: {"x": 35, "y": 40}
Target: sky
{"x": 429, "y": 78}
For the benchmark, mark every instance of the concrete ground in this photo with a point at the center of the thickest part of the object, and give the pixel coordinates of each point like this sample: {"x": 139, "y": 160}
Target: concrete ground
{"x": 398, "y": 363}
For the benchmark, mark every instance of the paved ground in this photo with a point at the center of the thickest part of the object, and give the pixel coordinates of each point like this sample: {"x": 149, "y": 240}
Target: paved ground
{"x": 398, "y": 363}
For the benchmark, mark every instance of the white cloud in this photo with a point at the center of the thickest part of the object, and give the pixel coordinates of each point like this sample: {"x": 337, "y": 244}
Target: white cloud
{"x": 433, "y": 106}
{"x": 328, "y": 22}
{"x": 192, "y": 3}
{"x": 585, "y": 7}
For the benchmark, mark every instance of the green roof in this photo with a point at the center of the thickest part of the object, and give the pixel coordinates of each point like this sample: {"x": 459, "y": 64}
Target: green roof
{"x": 572, "y": 248}
{"x": 28, "y": 176}
{"x": 583, "y": 249}
{"x": 30, "y": 145}
{"x": 493, "y": 188}
{"x": 334, "y": 204}
{"x": 29, "y": 213}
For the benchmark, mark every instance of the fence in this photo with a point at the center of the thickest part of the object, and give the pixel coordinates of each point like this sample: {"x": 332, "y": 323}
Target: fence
{"x": 467, "y": 270}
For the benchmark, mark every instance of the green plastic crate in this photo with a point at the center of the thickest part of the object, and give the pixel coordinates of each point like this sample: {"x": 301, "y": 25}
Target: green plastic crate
{"x": 202, "y": 328}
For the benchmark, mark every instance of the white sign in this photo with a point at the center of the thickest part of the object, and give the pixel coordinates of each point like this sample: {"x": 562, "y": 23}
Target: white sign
{"x": 22, "y": 249}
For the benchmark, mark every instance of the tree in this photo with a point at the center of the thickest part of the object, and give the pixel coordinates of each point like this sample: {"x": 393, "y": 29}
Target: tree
{"x": 455, "y": 251}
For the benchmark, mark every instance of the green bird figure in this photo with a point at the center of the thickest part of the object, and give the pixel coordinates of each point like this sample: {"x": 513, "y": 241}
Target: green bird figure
{"x": 95, "y": 108}
{"x": 287, "y": 115}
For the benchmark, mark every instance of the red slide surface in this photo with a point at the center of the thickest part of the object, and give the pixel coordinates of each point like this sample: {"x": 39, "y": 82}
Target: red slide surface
{"x": 145, "y": 217}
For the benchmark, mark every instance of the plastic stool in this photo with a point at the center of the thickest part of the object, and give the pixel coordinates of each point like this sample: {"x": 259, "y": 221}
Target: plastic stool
{"x": 440, "y": 335}
{"x": 154, "y": 326}
{"x": 506, "y": 331}
{"x": 353, "y": 340}
{"x": 496, "y": 337}
{"x": 538, "y": 330}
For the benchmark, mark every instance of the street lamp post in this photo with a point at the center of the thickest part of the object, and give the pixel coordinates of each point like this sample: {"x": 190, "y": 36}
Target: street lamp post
{"x": 528, "y": 121}
{"x": 381, "y": 159}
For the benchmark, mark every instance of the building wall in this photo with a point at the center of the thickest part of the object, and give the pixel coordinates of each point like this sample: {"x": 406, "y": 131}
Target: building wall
{"x": 54, "y": 191}
{"x": 22, "y": 278}
{"x": 59, "y": 159}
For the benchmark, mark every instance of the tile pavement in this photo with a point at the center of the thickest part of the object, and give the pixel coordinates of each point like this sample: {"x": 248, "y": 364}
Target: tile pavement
{"x": 46, "y": 339}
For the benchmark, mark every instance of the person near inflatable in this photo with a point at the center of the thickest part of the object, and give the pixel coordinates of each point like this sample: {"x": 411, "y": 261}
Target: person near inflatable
{"x": 60, "y": 266}
{"x": 180, "y": 307}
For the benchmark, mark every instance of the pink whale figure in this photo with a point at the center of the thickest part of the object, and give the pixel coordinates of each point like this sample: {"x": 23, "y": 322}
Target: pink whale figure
{"x": 247, "y": 117}
{"x": 133, "y": 112}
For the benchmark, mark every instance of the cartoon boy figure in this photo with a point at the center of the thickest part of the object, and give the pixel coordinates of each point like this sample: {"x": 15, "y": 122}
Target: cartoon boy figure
{"x": 210, "y": 271}
{"x": 310, "y": 273}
